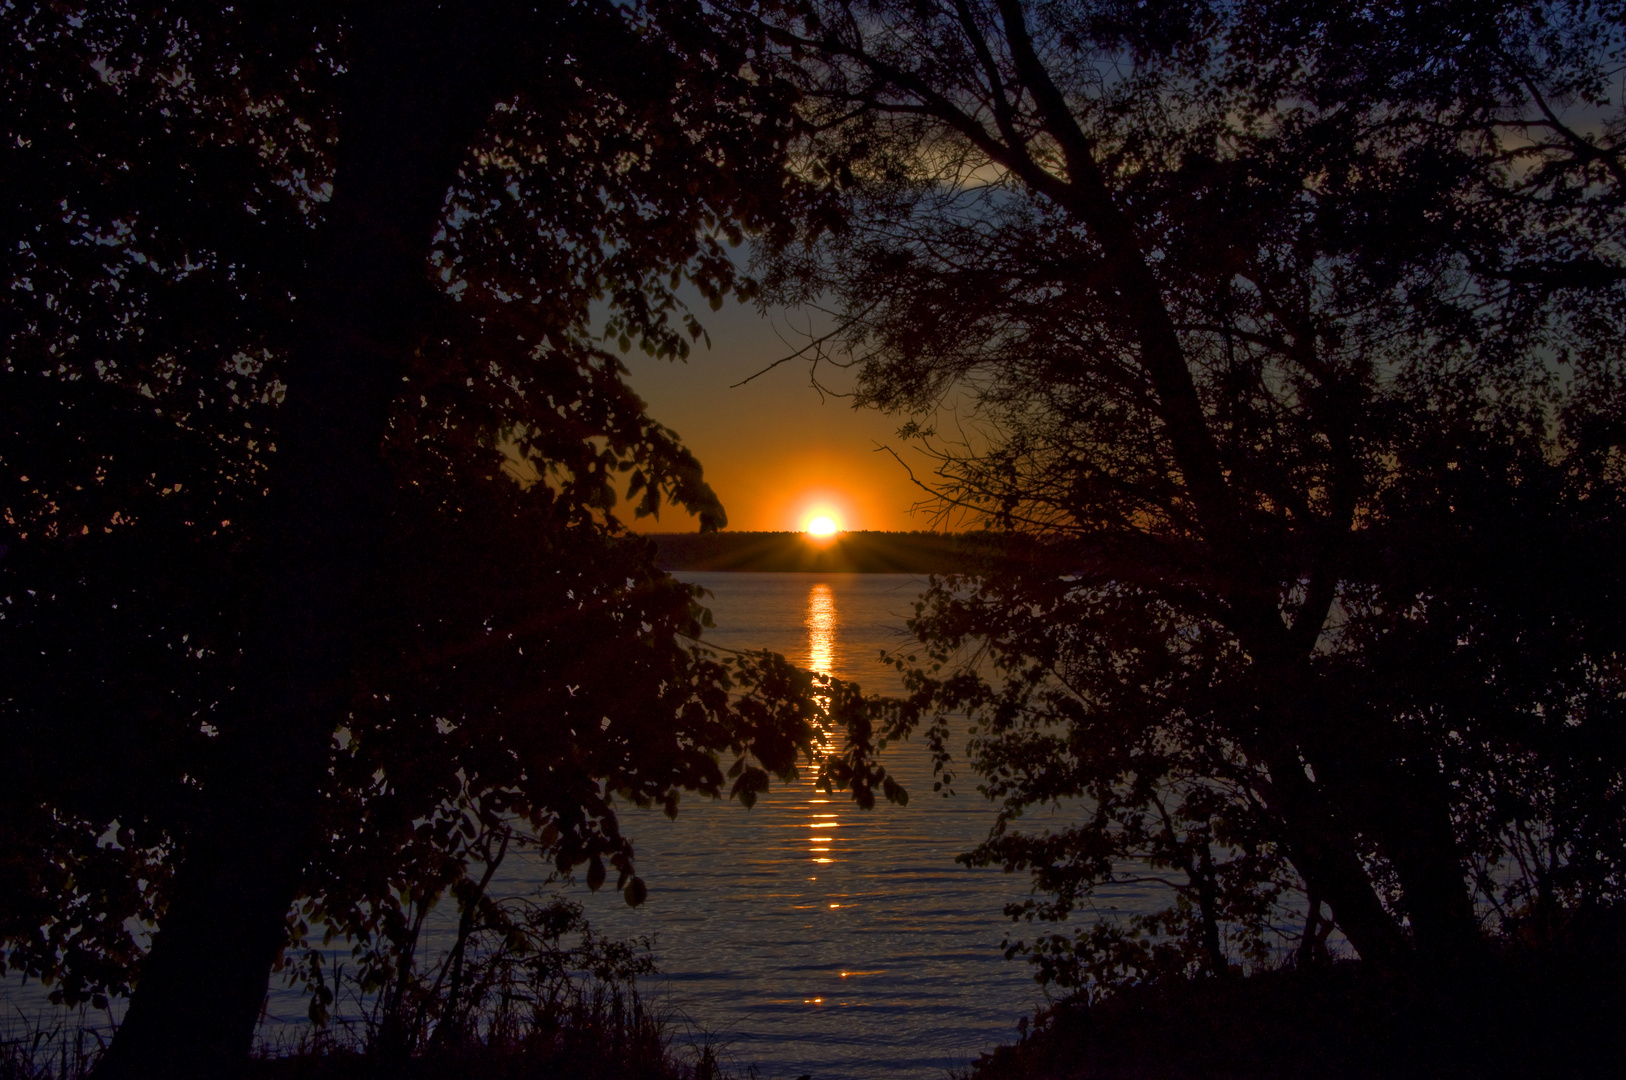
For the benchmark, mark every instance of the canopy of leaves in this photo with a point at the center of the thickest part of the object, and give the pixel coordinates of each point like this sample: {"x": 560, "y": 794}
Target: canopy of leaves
{"x": 1293, "y": 333}
{"x": 169, "y": 169}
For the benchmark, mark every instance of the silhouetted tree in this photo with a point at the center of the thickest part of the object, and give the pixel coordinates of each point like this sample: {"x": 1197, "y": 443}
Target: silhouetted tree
{"x": 1294, "y": 331}
{"x": 310, "y": 572}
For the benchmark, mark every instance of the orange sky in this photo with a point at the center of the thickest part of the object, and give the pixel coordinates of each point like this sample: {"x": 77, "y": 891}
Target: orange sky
{"x": 773, "y": 451}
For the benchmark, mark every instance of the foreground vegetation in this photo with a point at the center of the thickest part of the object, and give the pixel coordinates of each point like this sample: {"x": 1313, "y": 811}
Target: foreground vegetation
{"x": 526, "y": 989}
{"x": 623, "y": 1043}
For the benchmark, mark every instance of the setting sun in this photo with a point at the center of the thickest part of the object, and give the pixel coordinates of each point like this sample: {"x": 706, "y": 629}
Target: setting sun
{"x": 822, "y": 514}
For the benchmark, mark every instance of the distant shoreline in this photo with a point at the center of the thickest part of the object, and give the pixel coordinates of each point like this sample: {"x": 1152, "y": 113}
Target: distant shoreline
{"x": 849, "y": 552}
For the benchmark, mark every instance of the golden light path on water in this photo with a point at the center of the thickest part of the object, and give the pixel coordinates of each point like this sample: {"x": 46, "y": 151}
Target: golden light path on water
{"x": 821, "y": 651}
{"x": 821, "y": 628}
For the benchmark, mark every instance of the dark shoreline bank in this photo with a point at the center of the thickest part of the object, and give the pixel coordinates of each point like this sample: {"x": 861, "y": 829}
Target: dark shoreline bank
{"x": 1515, "y": 1017}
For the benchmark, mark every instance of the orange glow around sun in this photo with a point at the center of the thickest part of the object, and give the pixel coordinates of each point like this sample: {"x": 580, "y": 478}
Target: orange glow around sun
{"x": 822, "y": 514}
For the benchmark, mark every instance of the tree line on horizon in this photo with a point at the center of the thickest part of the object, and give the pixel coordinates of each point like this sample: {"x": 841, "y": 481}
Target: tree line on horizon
{"x": 854, "y": 551}
{"x": 1289, "y": 335}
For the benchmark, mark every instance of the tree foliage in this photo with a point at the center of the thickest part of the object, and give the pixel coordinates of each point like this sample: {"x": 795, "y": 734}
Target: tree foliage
{"x": 313, "y": 433}
{"x": 1292, "y": 335}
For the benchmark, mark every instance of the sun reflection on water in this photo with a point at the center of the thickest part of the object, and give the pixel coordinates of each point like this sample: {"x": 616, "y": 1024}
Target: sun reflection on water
{"x": 821, "y": 650}
{"x": 822, "y": 818}
{"x": 821, "y": 629}
{"x": 821, "y": 643}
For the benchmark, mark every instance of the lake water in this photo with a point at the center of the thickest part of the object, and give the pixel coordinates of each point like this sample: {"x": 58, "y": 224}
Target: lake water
{"x": 803, "y": 936}
{"x": 807, "y": 936}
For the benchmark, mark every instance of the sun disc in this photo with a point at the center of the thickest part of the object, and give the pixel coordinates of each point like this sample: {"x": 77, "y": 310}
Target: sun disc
{"x": 821, "y": 526}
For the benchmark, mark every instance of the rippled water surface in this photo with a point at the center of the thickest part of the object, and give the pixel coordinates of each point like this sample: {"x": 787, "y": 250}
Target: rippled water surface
{"x": 803, "y": 936}
{"x": 806, "y": 934}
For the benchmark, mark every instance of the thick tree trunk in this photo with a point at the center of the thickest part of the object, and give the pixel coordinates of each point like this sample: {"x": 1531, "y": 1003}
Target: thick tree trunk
{"x": 1208, "y": 907}
{"x": 1367, "y": 779}
{"x": 1307, "y": 952}
{"x": 1393, "y": 791}
{"x": 1320, "y": 837}
{"x": 1417, "y": 835}
{"x": 1323, "y": 851}
{"x": 422, "y": 83}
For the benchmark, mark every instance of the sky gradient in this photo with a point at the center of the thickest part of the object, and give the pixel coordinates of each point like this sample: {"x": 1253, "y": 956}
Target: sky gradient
{"x": 776, "y": 452}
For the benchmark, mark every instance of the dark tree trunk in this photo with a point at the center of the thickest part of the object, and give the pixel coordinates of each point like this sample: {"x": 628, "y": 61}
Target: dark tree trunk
{"x": 421, "y": 84}
{"x": 1417, "y": 835}
{"x": 1320, "y": 837}
{"x": 1392, "y": 789}
{"x": 1208, "y": 905}
{"x": 1324, "y": 852}
{"x": 1399, "y": 805}
{"x": 1307, "y": 954}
